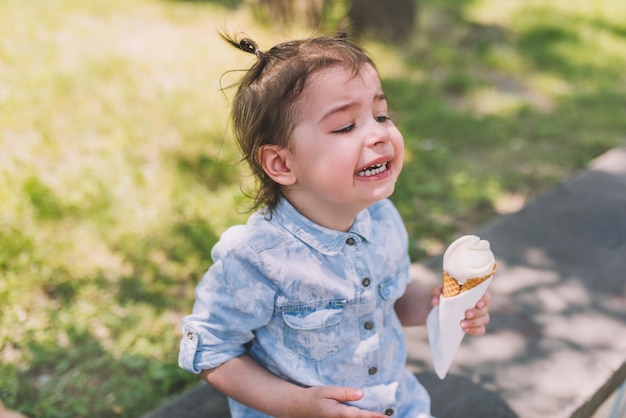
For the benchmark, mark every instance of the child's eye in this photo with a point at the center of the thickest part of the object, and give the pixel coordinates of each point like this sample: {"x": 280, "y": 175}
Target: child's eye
{"x": 382, "y": 119}
{"x": 345, "y": 130}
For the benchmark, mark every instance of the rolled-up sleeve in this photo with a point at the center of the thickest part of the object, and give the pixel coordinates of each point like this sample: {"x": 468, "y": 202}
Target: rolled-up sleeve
{"x": 233, "y": 299}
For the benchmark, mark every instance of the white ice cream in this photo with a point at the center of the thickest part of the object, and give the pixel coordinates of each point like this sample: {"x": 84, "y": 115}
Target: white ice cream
{"x": 468, "y": 257}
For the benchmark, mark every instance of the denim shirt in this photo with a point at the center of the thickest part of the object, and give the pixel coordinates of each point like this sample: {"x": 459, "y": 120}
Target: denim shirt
{"x": 312, "y": 305}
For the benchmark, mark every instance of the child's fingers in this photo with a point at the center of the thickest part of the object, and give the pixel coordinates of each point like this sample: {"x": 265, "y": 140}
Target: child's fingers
{"x": 475, "y": 326}
{"x": 477, "y": 317}
{"x": 477, "y": 331}
{"x": 484, "y": 301}
{"x": 475, "y": 312}
{"x": 343, "y": 394}
{"x": 481, "y": 308}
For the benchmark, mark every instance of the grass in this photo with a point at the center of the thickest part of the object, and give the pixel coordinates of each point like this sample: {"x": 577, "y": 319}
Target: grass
{"x": 118, "y": 173}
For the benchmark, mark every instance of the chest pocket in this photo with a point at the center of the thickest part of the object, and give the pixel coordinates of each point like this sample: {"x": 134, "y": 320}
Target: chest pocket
{"x": 314, "y": 330}
{"x": 392, "y": 288}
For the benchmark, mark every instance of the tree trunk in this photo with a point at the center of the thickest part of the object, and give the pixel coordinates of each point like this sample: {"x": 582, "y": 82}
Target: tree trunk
{"x": 390, "y": 20}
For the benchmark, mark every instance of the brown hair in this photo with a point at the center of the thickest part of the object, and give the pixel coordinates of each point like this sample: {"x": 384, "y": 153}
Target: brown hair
{"x": 264, "y": 110}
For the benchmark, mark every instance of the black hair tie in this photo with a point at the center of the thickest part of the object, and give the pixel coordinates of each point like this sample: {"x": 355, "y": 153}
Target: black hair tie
{"x": 246, "y": 45}
{"x": 249, "y": 46}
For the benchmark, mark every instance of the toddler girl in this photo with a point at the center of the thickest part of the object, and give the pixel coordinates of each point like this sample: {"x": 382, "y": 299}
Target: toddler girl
{"x": 301, "y": 313}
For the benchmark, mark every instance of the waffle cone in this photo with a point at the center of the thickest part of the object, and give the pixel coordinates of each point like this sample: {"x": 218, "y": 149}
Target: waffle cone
{"x": 471, "y": 283}
{"x": 452, "y": 288}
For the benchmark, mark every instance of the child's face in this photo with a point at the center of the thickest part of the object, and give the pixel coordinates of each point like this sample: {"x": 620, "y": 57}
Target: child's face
{"x": 347, "y": 153}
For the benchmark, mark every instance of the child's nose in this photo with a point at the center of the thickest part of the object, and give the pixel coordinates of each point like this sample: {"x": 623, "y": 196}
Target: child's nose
{"x": 378, "y": 134}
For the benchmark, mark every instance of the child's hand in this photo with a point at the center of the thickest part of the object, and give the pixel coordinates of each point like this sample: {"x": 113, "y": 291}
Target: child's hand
{"x": 477, "y": 317}
{"x": 326, "y": 402}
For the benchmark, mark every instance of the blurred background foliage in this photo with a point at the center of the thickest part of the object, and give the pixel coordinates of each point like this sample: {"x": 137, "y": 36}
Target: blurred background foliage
{"x": 118, "y": 172}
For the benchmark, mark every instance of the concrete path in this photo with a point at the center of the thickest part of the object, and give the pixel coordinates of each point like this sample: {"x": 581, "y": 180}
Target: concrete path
{"x": 556, "y": 344}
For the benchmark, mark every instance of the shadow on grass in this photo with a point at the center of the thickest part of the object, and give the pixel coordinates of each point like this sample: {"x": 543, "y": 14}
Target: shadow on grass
{"x": 207, "y": 170}
{"x": 166, "y": 266}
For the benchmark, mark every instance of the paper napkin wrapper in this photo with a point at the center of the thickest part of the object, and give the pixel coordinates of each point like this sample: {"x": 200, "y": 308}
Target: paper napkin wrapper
{"x": 444, "y": 326}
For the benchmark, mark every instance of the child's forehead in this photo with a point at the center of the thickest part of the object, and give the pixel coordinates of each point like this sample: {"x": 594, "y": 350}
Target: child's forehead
{"x": 340, "y": 74}
{"x": 334, "y": 86}
{"x": 339, "y": 87}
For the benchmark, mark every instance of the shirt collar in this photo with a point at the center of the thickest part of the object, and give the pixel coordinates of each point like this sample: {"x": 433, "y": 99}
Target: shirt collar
{"x": 325, "y": 240}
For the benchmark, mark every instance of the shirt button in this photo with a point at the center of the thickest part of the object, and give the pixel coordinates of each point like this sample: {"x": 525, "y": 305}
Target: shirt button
{"x": 365, "y": 282}
{"x": 389, "y": 412}
{"x": 350, "y": 241}
{"x": 190, "y": 335}
{"x": 368, "y": 325}
{"x": 372, "y": 370}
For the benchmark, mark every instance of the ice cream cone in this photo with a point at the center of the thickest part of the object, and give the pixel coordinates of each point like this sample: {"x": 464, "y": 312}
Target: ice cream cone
{"x": 468, "y": 265}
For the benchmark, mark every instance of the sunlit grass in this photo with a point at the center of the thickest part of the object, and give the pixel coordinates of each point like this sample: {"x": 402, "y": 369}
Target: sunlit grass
{"x": 109, "y": 208}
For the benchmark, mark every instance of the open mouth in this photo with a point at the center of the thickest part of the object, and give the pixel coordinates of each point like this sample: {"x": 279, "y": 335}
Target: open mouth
{"x": 373, "y": 170}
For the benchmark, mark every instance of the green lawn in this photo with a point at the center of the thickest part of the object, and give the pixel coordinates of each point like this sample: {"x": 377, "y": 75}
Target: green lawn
{"x": 118, "y": 172}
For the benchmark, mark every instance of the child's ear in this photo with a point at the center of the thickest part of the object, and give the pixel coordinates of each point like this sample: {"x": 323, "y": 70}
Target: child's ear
{"x": 276, "y": 162}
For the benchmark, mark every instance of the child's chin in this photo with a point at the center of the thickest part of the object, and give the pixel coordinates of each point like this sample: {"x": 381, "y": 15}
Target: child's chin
{"x": 385, "y": 193}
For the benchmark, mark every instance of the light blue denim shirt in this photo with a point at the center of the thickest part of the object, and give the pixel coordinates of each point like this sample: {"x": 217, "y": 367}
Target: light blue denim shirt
{"x": 312, "y": 305}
